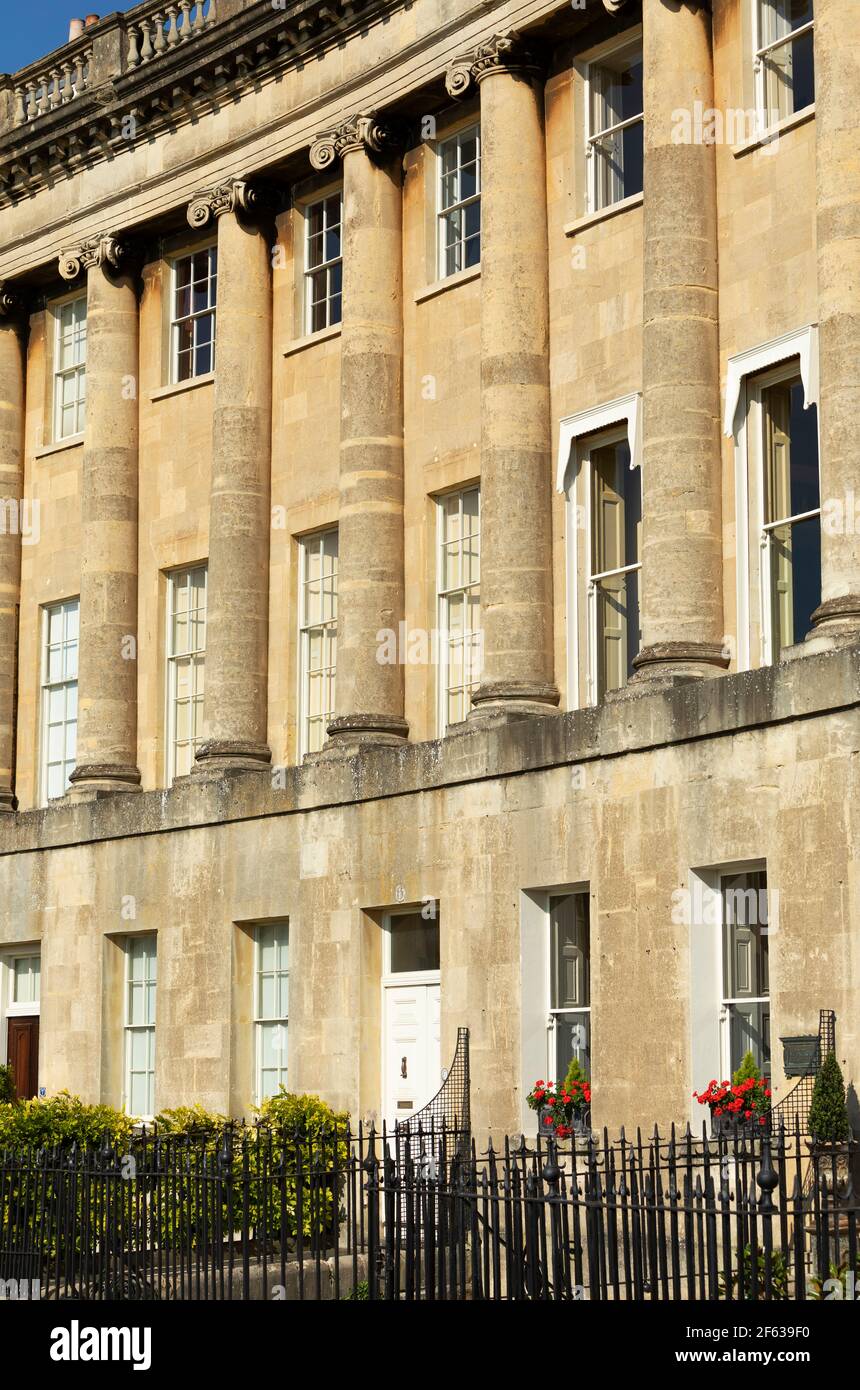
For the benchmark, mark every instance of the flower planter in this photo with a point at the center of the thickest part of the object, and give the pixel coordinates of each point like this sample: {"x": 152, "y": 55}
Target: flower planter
{"x": 730, "y": 1127}
{"x": 580, "y": 1127}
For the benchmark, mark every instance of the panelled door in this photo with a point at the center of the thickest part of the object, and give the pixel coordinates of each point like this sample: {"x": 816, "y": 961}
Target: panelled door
{"x": 22, "y": 1049}
{"x": 411, "y": 1014}
{"x": 413, "y": 1056}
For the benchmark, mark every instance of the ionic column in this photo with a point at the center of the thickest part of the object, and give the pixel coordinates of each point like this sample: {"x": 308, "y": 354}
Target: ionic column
{"x": 107, "y": 672}
{"x": 837, "y": 136}
{"x": 369, "y": 692}
{"x": 11, "y": 490}
{"x": 516, "y": 487}
{"x": 237, "y": 619}
{"x": 682, "y": 610}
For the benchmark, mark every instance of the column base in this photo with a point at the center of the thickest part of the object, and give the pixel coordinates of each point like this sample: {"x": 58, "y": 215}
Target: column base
{"x": 91, "y": 780}
{"x": 219, "y": 755}
{"x": 354, "y": 733}
{"x": 510, "y": 701}
{"x": 667, "y": 664}
{"x": 7, "y": 802}
{"x": 835, "y": 623}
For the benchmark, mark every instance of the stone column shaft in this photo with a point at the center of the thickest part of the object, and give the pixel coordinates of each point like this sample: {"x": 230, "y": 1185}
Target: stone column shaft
{"x": 516, "y": 487}
{"x": 107, "y": 672}
{"x": 837, "y": 134}
{"x": 682, "y": 611}
{"x": 369, "y": 692}
{"x": 237, "y": 622}
{"x": 11, "y": 490}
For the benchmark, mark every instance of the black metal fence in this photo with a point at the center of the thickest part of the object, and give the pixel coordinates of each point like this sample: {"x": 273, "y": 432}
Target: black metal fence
{"x": 261, "y": 1214}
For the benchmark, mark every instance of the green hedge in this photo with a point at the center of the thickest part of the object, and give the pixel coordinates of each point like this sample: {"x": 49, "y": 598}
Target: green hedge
{"x": 64, "y": 1120}
{"x": 222, "y": 1176}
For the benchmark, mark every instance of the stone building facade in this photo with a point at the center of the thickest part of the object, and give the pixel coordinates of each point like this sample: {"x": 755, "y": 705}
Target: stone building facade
{"x": 429, "y": 561}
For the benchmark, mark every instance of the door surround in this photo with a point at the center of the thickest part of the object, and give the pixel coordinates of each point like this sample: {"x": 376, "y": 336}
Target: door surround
{"x": 10, "y": 1009}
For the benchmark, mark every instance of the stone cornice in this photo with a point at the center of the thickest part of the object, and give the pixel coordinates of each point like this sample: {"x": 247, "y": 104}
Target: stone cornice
{"x": 130, "y": 105}
{"x": 366, "y": 130}
{"x": 235, "y": 195}
{"x": 505, "y": 52}
{"x": 106, "y": 249}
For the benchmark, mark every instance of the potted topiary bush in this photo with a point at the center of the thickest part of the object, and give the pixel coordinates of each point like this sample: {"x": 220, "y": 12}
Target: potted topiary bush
{"x": 828, "y": 1112}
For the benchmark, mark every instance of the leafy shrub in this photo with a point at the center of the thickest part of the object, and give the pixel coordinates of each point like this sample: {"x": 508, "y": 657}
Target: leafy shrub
{"x": 7, "y": 1086}
{"x": 190, "y": 1119}
{"x": 62, "y": 1120}
{"x": 840, "y": 1284}
{"x": 778, "y": 1277}
{"x": 359, "y": 1293}
{"x": 828, "y": 1113}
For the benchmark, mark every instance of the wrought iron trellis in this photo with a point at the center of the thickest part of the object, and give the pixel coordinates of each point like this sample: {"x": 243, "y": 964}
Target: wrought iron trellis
{"x": 794, "y": 1108}
{"x": 450, "y": 1109}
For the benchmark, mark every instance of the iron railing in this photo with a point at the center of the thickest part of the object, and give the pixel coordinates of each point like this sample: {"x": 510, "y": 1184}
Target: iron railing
{"x": 256, "y": 1213}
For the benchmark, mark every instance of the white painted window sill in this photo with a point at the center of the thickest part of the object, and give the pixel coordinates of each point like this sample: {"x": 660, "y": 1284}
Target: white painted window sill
{"x": 71, "y": 442}
{"x": 176, "y": 388}
{"x": 772, "y": 134}
{"x": 591, "y": 219}
{"x": 460, "y": 277}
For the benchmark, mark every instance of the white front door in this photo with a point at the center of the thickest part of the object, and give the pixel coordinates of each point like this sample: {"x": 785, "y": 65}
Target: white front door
{"x": 412, "y": 1061}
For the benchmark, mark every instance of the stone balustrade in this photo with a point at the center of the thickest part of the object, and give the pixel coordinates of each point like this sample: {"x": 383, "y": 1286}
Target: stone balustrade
{"x": 50, "y": 87}
{"x": 165, "y": 27}
{"x": 151, "y": 31}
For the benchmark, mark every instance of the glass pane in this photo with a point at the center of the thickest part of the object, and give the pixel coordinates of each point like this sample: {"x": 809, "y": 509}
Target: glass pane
{"x": 570, "y": 944}
{"x": 572, "y": 1039}
{"x": 749, "y": 1031}
{"x": 632, "y": 159}
{"x": 414, "y": 943}
{"x": 26, "y": 980}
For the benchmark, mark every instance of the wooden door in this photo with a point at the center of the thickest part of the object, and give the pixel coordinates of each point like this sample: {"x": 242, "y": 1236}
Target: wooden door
{"x": 23, "y": 1054}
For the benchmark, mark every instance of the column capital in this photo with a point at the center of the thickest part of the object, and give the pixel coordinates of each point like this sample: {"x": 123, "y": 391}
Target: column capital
{"x": 239, "y": 195}
{"x": 105, "y": 249}
{"x": 505, "y": 52}
{"x": 366, "y": 130}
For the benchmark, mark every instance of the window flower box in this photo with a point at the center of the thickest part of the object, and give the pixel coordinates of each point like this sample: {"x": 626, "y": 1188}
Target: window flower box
{"x": 563, "y": 1112}
{"x": 739, "y": 1109}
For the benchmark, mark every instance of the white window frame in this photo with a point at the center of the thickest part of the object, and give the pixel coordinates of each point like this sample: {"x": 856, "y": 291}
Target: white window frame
{"x": 307, "y": 629}
{"x": 761, "y": 50}
{"x": 309, "y": 271}
{"x": 408, "y": 977}
{"x": 555, "y": 1014}
{"x": 197, "y": 656}
{"x": 709, "y": 1043}
{"x": 66, "y": 682}
{"x": 725, "y": 1001}
{"x": 280, "y": 1022}
{"x": 60, "y": 374}
{"x": 456, "y": 139}
{"x": 632, "y": 42}
{"x": 8, "y": 1006}
{"x": 472, "y": 638}
{"x": 801, "y": 344}
{"x": 150, "y": 978}
{"x": 573, "y": 431}
{"x": 212, "y": 309}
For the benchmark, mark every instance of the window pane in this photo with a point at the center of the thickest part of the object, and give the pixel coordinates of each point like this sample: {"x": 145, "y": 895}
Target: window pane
{"x": 414, "y": 943}
{"x": 572, "y": 1039}
{"x": 569, "y": 934}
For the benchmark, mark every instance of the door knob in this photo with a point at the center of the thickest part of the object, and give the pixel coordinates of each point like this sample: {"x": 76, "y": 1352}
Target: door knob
{"x": 403, "y": 1067}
